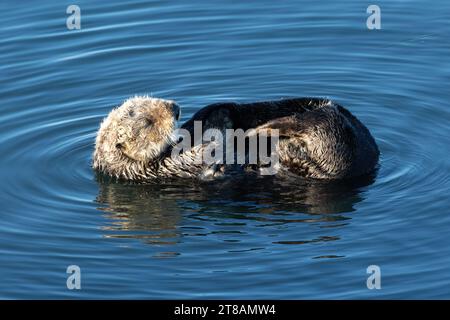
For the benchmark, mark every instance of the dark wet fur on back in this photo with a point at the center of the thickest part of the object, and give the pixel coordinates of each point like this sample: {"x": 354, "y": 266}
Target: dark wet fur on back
{"x": 318, "y": 138}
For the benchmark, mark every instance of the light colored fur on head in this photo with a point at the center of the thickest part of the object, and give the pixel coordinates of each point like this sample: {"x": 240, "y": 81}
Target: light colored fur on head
{"x": 133, "y": 136}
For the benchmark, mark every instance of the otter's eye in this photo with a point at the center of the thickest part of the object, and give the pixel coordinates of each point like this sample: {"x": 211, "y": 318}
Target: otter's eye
{"x": 131, "y": 113}
{"x": 148, "y": 122}
{"x": 119, "y": 146}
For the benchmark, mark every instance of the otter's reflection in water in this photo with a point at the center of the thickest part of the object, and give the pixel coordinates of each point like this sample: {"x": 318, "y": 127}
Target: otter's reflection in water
{"x": 166, "y": 213}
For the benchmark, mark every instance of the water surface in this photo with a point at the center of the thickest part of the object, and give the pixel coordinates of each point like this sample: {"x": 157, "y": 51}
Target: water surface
{"x": 244, "y": 238}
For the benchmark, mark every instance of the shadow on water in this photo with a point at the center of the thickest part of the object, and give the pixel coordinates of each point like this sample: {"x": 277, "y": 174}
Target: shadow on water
{"x": 165, "y": 212}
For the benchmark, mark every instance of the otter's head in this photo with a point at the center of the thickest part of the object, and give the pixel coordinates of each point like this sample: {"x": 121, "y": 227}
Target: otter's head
{"x": 134, "y": 135}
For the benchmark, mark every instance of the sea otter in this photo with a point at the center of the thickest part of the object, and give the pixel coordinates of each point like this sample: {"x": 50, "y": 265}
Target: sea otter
{"x": 317, "y": 138}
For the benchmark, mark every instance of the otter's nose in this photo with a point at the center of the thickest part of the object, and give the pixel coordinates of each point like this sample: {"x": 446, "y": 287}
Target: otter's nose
{"x": 176, "y": 111}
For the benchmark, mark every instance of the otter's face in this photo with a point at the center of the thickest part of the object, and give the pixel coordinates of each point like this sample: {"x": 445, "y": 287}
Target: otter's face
{"x": 139, "y": 130}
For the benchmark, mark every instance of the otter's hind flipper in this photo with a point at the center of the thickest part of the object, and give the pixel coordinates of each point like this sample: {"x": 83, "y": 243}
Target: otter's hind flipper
{"x": 325, "y": 143}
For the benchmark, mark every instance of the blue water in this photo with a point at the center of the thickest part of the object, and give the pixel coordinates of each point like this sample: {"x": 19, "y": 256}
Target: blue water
{"x": 226, "y": 239}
